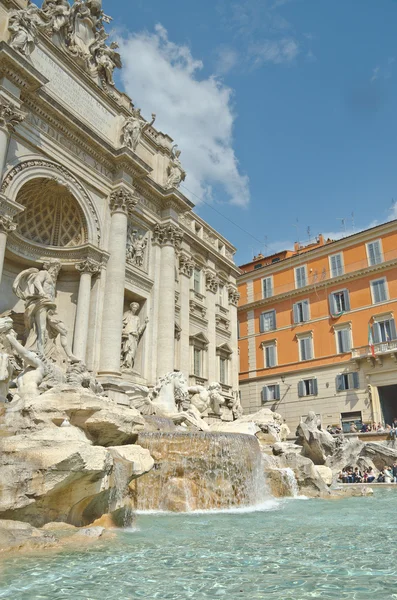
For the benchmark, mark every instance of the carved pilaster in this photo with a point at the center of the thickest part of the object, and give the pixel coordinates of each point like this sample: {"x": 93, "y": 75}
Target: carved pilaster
{"x": 10, "y": 115}
{"x": 7, "y": 225}
{"x": 168, "y": 234}
{"x": 122, "y": 200}
{"x": 186, "y": 265}
{"x": 88, "y": 266}
{"x": 211, "y": 282}
{"x": 234, "y": 295}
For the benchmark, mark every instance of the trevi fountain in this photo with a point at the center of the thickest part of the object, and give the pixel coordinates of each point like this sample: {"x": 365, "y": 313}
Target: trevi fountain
{"x": 127, "y": 467}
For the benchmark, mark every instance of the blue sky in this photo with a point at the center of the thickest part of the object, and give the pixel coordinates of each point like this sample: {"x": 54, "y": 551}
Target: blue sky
{"x": 285, "y": 110}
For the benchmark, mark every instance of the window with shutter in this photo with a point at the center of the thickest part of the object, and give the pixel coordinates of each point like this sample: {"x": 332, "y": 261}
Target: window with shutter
{"x": 300, "y": 277}
{"x": 270, "y": 392}
{"x": 301, "y": 311}
{"x": 268, "y": 321}
{"x": 336, "y": 265}
{"x": 340, "y": 381}
{"x": 343, "y": 340}
{"x": 339, "y": 302}
{"x": 277, "y": 392}
{"x": 267, "y": 286}
{"x": 347, "y": 381}
{"x": 379, "y": 290}
{"x": 384, "y": 331}
{"x": 306, "y": 348}
{"x": 301, "y": 389}
{"x": 270, "y": 355}
{"x": 374, "y": 252}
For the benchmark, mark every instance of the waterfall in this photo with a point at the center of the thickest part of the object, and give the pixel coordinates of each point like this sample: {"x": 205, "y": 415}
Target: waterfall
{"x": 289, "y": 481}
{"x": 201, "y": 471}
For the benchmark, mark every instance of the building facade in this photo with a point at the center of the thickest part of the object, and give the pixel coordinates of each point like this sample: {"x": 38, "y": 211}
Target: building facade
{"x": 317, "y": 330}
{"x": 145, "y": 286}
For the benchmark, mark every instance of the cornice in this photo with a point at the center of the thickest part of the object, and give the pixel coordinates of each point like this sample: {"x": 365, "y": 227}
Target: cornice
{"x": 37, "y": 253}
{"x": 200, "y": 245}
{"x": 319, "y": 285}
{"x": 19, "y": 70}
{"x": 135, "y": 278}
{"x": 320, "y": 252}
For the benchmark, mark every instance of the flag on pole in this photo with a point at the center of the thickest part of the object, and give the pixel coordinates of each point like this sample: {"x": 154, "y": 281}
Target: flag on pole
{"x": 371, "y": 341}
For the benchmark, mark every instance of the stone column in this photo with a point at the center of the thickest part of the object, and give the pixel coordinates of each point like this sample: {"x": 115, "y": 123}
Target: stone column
{"x": 87, "y": 269}
{"x": 122, "y": 202}
{"x": 6, "y": 226}
{"x": 10, "y": 116}
{"x": 186, "y": 266}
{"x": 169, "y": 237}
{"x": 234, "y": 297}
{"x": 211, "y": 285}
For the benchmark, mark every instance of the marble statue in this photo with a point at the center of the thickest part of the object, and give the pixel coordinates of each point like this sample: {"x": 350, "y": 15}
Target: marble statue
{"x": 23, "y": 25}
{"x": 133, "y": 331}
{"x": 78, "y": 375}
{"x": 38, "y": 288}
{"x": 136, "y": 247}
{"x": 237, "y": 409}
{"x": 8, "y": 364}
{"x": 33, "y": 371}
{"x": 106, "y": 59}
{"x": 58, "y": 13}
{"x": 133, "y": 129}
{"x": 207, "y": 398}
{"x": 175, "y": 171}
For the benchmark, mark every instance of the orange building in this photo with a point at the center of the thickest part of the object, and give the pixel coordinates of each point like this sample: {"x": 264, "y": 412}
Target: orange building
{"x": 317, "y": 329}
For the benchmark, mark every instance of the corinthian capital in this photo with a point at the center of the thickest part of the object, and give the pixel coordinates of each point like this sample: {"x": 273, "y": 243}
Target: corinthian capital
{"x": 10, "y": 115}
{"x": 7, "y": 225}
{"x": 168, "y": 234}
{"x": 211, "y": 281}
{"x": 88, "y": 266}
{"x": 122, "y": 200}
{"x": 186, "y": 265}
{"x": 234, "y": 295}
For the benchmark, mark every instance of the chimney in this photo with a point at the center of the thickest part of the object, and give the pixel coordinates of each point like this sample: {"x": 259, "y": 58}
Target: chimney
{"x": 296, "y": 247}
{"x": 321, "y": 239}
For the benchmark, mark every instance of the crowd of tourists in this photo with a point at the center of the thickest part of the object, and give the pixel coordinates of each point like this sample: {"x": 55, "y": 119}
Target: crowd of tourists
{"x": 391, "y": 430}
{"x": 354, "y": 475}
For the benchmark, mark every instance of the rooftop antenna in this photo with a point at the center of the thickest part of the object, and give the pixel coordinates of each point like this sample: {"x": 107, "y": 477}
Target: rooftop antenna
{"x": 343, "y": 223}
{"x": 266, "y": 246}
{"x": 308, "y": 233}
{"x": 353, "y": 224}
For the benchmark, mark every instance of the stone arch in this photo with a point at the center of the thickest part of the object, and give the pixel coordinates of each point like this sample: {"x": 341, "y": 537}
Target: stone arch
{"x": 38, "y": 170}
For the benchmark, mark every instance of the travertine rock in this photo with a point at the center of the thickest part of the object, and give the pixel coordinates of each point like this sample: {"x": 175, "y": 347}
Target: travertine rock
{"x": 309, "y": 480}
{"x": 346, "y": 453}
{"x": 16, "y": 536}
{"x": 316, "y": 443}
{"x": 53, "y": 473}
{"x": 379, "y": 453}
{"x": 325, "y": 473}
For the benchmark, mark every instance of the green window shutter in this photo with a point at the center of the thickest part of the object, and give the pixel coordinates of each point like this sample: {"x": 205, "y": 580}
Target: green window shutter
{"x": 295, "y": 309}
{"x": 332, "y": 305}
{"x": 347, "y": 299}
{"x": 356, "y": 381}
{"x": 277, "y": 392}
{"x": 301, "y": 389}
{"x": 340, "y": 383}
{"x": 376, "y": 334}
{"x": 393, "y": 333}
{"x": 315, "y": 387}
{"x": 306, "y": 311}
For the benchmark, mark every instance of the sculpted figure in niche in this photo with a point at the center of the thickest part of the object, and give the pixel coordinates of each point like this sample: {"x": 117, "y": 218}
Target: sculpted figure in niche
{"x": 133, "y": 331}
{"x": 136, "y": 246}
{"x": 207, "y": 398}
{"x": 134, "y": 128}
{"x": 175, "y": 171}
{"x": 37, "y": 289}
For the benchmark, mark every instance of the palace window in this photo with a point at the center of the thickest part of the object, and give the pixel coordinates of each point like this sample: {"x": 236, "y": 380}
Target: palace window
{"x": 198, "y": 362}
{"x": 336, "y": 264}
{"x": 343, "y": 339}
{"x": 267, "y": 287}
{"x": 301, "y": 311}
{"x": 197, "y": 280}
{"x": 301, "y": 276}
{"x": 379, "y": 290}
{"x": 374, "y": 253}
{"x": 307, "y": 387}
{"x": 305, "y": 347}
{"x": 270, "y": 392}
{"x": 347, "y": 381}
{"x": 267, "y": 321}
{"x": 224, "y": 354}
{"x": 384, "y": 330}
{"x": 199, "y": 345}
{"x": 339, "y": 302}
{"x": 270, "y": 354}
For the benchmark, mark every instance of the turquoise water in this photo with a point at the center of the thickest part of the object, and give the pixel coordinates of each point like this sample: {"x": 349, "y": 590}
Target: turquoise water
{"x": 294, "y": 549}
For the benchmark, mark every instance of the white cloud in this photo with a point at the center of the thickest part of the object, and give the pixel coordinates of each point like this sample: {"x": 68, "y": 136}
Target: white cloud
{"x": 275, "y": 51}
{"x": 227, "y": 58}
{"x": 163, "y": 77}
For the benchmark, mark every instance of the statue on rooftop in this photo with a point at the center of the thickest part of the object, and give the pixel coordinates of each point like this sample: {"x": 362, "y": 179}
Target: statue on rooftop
{"x": 133, "y": 129}
{"x": 176, "y": 173}
{"x": 23, "y": 25}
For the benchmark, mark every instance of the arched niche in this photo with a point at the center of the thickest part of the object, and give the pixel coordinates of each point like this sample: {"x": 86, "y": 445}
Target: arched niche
{"x": 53, "y": 179}
{"x": 52, "y": 215}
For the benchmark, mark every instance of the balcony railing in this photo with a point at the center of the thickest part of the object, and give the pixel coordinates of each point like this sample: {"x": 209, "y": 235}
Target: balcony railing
{"x": 379, "y": 349}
